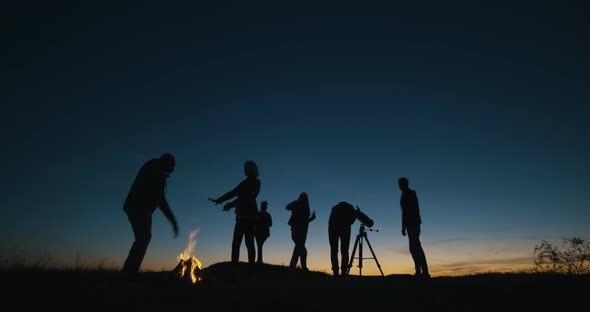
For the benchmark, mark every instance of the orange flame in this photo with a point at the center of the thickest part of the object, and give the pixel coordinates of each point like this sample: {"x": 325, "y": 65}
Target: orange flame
{"x": 190, "y": 264}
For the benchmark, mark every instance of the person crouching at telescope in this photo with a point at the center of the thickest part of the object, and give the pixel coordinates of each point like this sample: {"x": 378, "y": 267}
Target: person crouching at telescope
{"x": 341, "y": 219}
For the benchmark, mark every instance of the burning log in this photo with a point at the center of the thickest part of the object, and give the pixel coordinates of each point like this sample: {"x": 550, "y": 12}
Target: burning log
{"x": 188, "y": 270}
{"x": 189, "y": 266}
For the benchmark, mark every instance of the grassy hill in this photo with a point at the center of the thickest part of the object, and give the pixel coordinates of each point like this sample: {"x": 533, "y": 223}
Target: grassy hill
{"x": 227, "y": 287}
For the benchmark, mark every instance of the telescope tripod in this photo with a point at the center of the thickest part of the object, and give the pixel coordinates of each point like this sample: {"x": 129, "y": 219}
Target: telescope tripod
{"x": 360, "y": 237}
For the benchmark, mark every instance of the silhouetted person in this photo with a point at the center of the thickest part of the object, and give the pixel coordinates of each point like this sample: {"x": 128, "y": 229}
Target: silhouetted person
{"x": 342, "y": 217}
{"x": 263, "y": 224}
{"x": 147, "y": 193}
{"x": 246, "y": 211}
{"x": 411, "y": 223}
{"x": 299, "y": 222}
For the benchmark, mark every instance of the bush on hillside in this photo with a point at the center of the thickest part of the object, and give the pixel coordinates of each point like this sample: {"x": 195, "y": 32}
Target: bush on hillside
{"x": 572, "y": 257}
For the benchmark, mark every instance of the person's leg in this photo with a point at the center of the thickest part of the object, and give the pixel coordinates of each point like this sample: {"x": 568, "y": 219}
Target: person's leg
{"x": 420, "y": 254}
{"x": 259, "y": 242}
{"x": 303, "y": 249}
{"x": 264, "y": 238}
{"x": 344, "y": 245}
{"x": 304, "y": 258}
{"x": 295, "y": 255}
{"x": 236, "y": 242}
{"x": 142, "y": 231}
{"x": 249, "y": 237}
{"x": 299, "y": 252}
{"x": 414, "y": 240}
{"x": 333, "y": 239}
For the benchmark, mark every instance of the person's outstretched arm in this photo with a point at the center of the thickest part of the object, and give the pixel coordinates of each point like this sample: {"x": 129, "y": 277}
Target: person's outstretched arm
{"x": 226, "y": 196}
{"x": 165, "y": 207}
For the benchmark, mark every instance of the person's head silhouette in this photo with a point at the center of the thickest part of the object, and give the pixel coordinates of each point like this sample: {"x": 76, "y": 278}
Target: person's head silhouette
{"x": 403, "y": 183}
{"x": 168, "y": 162}
{"x": 250, "y": 169}
{"x": 303, "y": 198}
{"x": 264, "y": 205}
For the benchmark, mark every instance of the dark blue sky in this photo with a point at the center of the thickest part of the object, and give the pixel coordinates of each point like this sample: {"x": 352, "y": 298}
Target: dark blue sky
{"x": 483, "y": 107}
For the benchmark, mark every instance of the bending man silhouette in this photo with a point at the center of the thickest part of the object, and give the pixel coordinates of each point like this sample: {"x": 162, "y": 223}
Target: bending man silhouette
{"x": 147, "y": 193}
{"x": 411, "y": 222}
{"x": 342, "y": 217}
{"x": 263, "y": 224}
{"x": 246, "y": 211}
{"x": 299, "y": 223}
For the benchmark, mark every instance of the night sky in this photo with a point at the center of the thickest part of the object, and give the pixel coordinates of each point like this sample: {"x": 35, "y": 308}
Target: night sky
{"x": 484, "y": 108}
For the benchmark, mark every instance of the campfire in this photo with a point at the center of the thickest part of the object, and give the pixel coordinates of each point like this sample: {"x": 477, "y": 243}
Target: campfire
{"x": 188, "y": 266}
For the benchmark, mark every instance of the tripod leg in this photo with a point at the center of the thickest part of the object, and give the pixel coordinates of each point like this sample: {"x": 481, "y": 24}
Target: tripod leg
{"x": 352, "y": 255}
{"x": 360, "y": 256}
{"x": 374, "y": 256}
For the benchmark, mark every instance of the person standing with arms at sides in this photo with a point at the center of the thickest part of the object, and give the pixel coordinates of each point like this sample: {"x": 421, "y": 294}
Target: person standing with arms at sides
{"x": 263, "y": 224}
{"x": 341, "y": 219}
{"x": 299, "y": 223}
{"x": 411, "y": 222}
{"x": 246, "y": 211}
{"x": 147, "y": 193}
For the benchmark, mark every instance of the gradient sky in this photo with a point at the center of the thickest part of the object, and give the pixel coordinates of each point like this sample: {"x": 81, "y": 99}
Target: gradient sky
{"x": 484, "y": 108}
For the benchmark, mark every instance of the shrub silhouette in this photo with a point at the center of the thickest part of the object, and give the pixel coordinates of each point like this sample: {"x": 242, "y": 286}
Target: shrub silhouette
{"x": 572, "y": 257}
{"x": 17, "y": 258}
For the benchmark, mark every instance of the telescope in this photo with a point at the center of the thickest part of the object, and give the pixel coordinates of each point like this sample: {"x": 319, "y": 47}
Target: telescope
{"x": 360, "y": 238}
{"x": 363, "y": 218}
